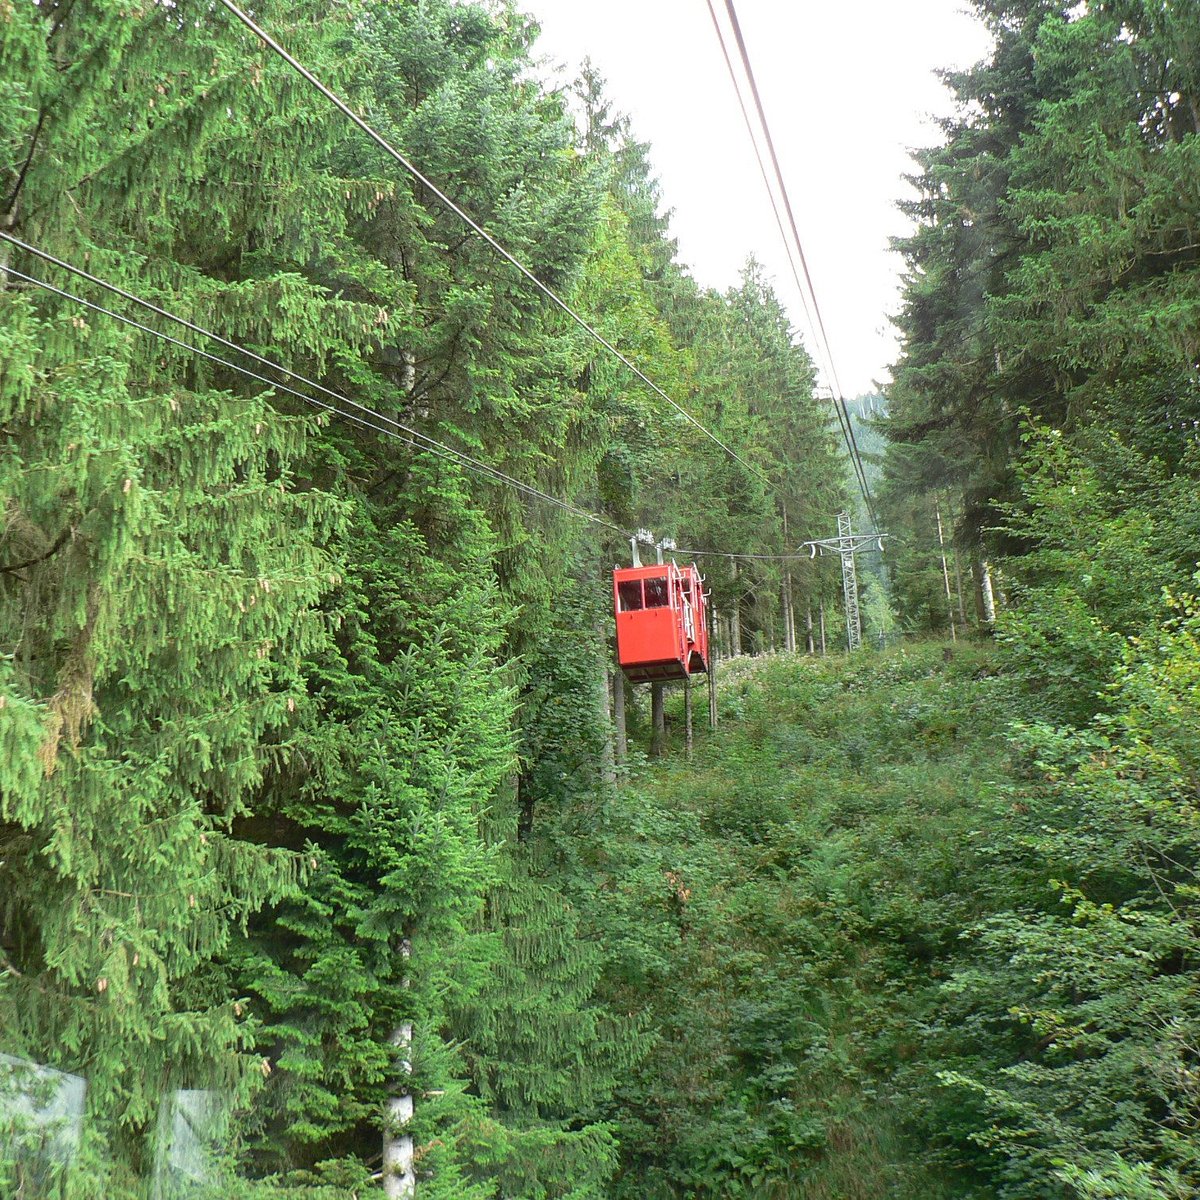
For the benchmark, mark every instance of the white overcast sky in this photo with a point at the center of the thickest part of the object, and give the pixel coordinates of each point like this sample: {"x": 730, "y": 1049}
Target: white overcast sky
{"x": 848, "y": 88}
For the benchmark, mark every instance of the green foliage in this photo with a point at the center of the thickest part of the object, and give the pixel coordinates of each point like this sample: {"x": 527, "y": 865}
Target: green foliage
{"x": 404, "y": 738}
{"x": 1094, "y": 975}
{"x": 1053, "y": 279}
{"x": 779, "y": 910}
{"x": 1048, "y": 381}
{"x": 162, "y": 578}
{"x": 1107, "y": 529}
{"x": 305, "y": 734}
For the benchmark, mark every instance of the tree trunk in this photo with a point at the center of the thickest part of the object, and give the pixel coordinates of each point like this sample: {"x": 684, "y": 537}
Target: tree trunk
{"x": 608, "y": 753}
{"x": 735, "y": 618}
{"x": 808, "y": 631}
{"x": 822, "y": 628}
{"x": 9, "y": 219}
{"x": 621, "y": 746}
{"x": 658, "y": 734}
{"x": 958, "y": 584}
{"x": 687, "y": 707}
{"x": 399, "y": 1176}
{"x": 987, "y": 596}
{"x": 937, "y": 511}
{"x": 712, "y": 682}
{"x": 525, "y": 803}
{"x": 608, "y": 750}
{"x": 789, "y": 615}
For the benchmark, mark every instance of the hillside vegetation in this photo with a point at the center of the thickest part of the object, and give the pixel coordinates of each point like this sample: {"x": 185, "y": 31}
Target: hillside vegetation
{"x": 325, "y": 869}
{"x": 814, "y": 869}
{"x": 896, "y": 938}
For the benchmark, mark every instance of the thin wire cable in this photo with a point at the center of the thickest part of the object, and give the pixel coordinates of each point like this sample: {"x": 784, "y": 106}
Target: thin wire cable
{"x": 787, "y": 203}
{"x": 852, "y": 446}
{"x": 822, "y": 350}
{"x": 474, "y": 225}
{"x": 440, "y": 449}
{"x": 339, "y": 397}
{"x": 274, "y": 385}
{"x": 402, "y": 433}
{"x": 683, "y": 551}
{"x": 390, "y": 428}
{"x": 409, "y": 437}
{"x": 762, "y": 166}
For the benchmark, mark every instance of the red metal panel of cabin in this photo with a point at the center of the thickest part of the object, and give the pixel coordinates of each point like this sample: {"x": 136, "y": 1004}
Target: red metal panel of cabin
{"x": 661, "y": 622}
{"x": 648, "y": 621}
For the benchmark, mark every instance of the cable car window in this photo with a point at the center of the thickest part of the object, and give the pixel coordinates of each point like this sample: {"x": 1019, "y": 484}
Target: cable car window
{"x": 656, "y": 593}
{"x": 629, "y": 592}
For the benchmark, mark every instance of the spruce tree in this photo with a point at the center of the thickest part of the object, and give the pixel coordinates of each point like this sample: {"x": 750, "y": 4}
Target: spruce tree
{"x": 164, "y": 565}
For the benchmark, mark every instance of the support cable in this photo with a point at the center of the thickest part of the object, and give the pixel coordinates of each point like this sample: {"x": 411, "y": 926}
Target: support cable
{"x": 389, "y": 428}
{"x": 821, "y": 350}
{"x": 362, "y": 416}
{"x": 840, "y": 400}
{"x": 382, "y": 142}
{"x": 337, "y": 397}
{"x": 762, "y": 166}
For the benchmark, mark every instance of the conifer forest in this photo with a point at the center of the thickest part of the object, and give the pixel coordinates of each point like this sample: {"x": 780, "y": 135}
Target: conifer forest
{"x": 338, "y": 857}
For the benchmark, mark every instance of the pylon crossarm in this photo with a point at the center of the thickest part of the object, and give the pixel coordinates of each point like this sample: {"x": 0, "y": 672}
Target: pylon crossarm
{"x": 854, "y": 543}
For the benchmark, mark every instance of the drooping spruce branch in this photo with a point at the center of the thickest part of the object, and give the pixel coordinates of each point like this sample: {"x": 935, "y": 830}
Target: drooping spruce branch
{"x": 58, "y": 543}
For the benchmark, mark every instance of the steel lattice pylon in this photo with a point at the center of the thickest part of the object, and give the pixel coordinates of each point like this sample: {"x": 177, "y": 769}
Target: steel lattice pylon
{"x": 849, "y": 584}
{"x": 845, "y": 545}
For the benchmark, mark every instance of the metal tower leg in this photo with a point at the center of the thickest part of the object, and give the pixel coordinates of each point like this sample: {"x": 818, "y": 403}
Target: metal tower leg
{"x": 849, "y": 584}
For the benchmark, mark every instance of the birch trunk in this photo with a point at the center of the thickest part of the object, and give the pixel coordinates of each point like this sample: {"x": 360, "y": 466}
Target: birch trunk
{"x": 937, "y": 511}
{"x": 399, "y": 1175}
{"x": 989, "y": 596}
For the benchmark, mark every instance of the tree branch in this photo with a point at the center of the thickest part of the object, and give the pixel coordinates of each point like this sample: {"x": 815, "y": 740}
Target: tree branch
{"x": 10, "y": 207}
{"x": 59, "y": 543}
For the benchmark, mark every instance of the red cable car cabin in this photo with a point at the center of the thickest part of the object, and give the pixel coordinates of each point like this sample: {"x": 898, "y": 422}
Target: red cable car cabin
{"x": 662, "y": 626}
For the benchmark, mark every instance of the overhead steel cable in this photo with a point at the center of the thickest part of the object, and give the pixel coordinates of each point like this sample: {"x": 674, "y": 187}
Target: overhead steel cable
{"x": 685, "y": 551}
{"x": 840, "y": 400}
{"x": 839, "y": 410}
{"x": 366, "y": 418}
{"x": 770, "y": 143}
{"x": 338, "y": 397}
{"x": 762, "y": 166}
{"x": 547, "y": 291}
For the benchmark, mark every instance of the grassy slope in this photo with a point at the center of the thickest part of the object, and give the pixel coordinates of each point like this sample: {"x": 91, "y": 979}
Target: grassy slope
{"x": 784, "y": 910}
